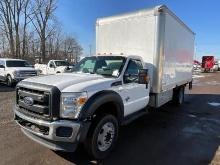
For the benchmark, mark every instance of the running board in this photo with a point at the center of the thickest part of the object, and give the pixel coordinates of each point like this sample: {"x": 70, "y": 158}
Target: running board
{"x": 134, "y": 116}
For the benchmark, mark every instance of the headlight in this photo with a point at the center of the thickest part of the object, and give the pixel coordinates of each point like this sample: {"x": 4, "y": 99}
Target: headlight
{"x": 71, "y": 104}
{"x": 16, "y": 73}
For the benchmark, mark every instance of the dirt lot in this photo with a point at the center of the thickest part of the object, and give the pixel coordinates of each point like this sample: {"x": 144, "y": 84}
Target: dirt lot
{"x": 189, "y": 134}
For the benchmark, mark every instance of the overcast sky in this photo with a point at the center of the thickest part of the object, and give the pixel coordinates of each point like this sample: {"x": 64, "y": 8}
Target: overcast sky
{"x": 78, "y": 18}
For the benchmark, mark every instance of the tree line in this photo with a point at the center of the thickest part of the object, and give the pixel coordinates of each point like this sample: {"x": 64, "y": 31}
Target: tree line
{"x": 30, "y": 30}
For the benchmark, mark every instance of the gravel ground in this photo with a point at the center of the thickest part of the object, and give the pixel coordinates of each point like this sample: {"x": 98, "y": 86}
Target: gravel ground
{"x": 189, "y": 134}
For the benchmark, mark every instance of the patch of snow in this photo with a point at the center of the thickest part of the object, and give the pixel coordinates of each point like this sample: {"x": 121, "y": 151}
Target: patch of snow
{"x": 213, "y": 83}
{"x": 214, "y": 104}
{"x": 193, "y": 116}
{"x": 198, "y": 76}
{"x": 192, "y": 130}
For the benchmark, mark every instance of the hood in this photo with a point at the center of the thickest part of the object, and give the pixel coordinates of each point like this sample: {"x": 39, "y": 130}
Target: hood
{"x": 65, "y": 80}
{"x": 22, "y": 68}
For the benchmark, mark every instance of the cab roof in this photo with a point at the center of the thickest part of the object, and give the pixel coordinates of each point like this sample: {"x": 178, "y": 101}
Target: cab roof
{"x": 11, "y": 59}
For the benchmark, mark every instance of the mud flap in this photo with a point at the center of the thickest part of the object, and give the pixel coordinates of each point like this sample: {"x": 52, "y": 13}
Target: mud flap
{"x": 190, "y": 85}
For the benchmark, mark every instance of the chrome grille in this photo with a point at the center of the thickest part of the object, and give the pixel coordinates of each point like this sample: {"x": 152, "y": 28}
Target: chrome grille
{"x": 41, "y": 101}
{"x": 27, "y": 73}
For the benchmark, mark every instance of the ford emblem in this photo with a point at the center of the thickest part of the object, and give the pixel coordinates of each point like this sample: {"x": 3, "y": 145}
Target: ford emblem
{"x": 28, "y": 101}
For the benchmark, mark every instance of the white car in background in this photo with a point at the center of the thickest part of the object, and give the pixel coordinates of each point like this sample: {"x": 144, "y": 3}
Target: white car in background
{"x": 15, "y": 70}
{"x": 218, "y": 65}
{"x": 53, "y": 67}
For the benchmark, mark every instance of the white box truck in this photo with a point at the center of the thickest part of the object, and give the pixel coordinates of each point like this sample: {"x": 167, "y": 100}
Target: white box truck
{"x": 144, "y": 59}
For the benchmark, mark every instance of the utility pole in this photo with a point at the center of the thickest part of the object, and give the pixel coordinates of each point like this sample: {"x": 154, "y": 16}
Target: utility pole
{"x": 90, "y": 50}
{"x": 195, "y": 51}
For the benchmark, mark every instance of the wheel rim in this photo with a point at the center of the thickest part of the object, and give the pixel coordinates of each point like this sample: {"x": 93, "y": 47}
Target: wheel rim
{"x": 106, "y": 136}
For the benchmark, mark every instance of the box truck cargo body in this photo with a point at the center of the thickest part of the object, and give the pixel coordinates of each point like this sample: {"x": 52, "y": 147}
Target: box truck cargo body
{"x": 164, "y": 42}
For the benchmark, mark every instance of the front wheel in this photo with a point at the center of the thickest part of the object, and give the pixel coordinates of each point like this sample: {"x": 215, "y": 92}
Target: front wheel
{"x": 9, "y": 81}
{"x": 102, "y": 136}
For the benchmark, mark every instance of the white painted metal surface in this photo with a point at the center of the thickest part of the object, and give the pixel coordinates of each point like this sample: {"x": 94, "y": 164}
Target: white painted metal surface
{"x": 178, "y": 54}
{"x": 127, "y": 34}
{"x": 164, "y": 42}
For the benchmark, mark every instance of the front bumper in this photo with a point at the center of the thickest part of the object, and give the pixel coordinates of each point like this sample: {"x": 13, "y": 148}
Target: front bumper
{"x": 46, "y": 133}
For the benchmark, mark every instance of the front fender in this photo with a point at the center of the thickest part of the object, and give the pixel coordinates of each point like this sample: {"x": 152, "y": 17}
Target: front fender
{"x": 10, "y": 73}
{"x": 100, "y": 99}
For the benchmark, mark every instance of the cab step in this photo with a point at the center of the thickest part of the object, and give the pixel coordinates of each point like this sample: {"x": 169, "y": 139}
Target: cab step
{"x": 134, "y": 116}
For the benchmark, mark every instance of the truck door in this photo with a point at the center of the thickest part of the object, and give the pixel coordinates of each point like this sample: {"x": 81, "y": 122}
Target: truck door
{"x": 51, "y": 69}
{"x": 135, "y": 96}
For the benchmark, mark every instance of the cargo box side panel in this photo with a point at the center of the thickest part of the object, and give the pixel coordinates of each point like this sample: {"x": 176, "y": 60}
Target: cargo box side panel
{"x": 132, "y": 34}
{"x": 178, "y": 54}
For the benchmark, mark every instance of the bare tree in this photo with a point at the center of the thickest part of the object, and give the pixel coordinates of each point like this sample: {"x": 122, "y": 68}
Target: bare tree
{"x": 15, "y": 11}
{"x": 72, "y": 50}
{"x": 42, "y": 15}
{"x": 7, "y": 23}
{"x": 11, "y": 17}
{"x": 29, "y": 30}
{"x": 27, "y": 17}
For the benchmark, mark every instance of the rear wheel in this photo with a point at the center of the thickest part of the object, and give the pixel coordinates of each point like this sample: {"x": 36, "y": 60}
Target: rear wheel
{"x": 102, "y": 136}
{"x": 178, "y": 95}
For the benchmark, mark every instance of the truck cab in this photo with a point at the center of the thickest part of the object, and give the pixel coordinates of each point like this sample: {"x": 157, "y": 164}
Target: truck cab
{"x": 208, "y": 63}
{"x": 15, "y": 70}
{"x": 102, "y": 89}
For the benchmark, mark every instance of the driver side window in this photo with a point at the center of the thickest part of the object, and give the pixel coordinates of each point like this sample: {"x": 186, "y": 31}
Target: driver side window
{"x": 131, "y": 73}
{"x": 2, "y": 64}
{"x": 51, "y": 65}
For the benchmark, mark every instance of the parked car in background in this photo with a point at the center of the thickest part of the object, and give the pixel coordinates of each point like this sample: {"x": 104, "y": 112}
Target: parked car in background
{"x": 15, "y": 70}
{"x": 215, "y": 67}
{"x": 53, "y": 67}
{"x": 196, "y": 65}
{"x": 208, "y": 63}
{"x": 218, "y": 65}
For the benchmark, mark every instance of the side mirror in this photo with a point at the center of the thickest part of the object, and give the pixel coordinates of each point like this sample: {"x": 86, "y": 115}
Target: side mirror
{"x": 129, "y": 78}
{"x": 51, "y": 66}
{"x": 2, "y": 66}
{"x": 143, "y": 77}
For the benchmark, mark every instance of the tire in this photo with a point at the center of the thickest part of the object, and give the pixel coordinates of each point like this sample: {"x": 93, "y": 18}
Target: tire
{"x": 178, "y": 95}
{"x": 9, "y": 81}
{"x": 102, "y": 136}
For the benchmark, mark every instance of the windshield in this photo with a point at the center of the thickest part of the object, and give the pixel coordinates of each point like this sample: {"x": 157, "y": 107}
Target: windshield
{"x": 16, "y": 63}
{"x": 102, "y": 65}
{"x": 61, "y": 63}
